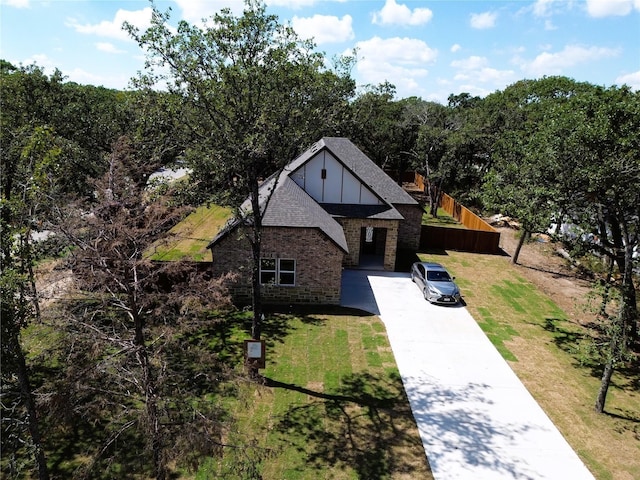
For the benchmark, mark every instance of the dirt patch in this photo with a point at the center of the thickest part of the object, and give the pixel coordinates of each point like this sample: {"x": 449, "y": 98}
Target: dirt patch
{"x": 541, "y": 264}
{"x": 53, "y": 281}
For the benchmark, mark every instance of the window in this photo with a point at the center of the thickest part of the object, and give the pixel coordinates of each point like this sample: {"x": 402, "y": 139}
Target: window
{"x": 277, "y": 271}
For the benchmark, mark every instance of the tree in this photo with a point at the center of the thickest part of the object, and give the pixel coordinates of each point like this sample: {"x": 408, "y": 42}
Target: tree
{"x": 572, "y": 158}
{"x": 528, "y": 161}
{"x": 257, "y": 93}
{"x": 85, "y": 119}
{"x": 24, "y": 197}
{"x": 126, "y": 323}
{"x": 602, "y": 199}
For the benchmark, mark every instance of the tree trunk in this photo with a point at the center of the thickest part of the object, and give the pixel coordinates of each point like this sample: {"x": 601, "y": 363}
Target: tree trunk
{"x": 153, "y": 433}
{"x": 256, "y": 247}
{"x": 32, "y": 417}
{"x": 629, "y": 299}
{"x": 523, "y": 237}
{"x": 604, "y": 386}
{"x": 617, "y": 345}
{"x": 151, "y": 401}
{"x": 435, "y": 195}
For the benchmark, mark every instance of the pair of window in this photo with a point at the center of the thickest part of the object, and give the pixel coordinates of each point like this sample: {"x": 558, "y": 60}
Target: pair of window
{"x": 277, "y": 271}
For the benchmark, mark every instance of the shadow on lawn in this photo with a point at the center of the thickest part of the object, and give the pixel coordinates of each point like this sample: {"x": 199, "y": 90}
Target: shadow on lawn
{"x": 568, "y": 339}
{"x": 365, "y": 424}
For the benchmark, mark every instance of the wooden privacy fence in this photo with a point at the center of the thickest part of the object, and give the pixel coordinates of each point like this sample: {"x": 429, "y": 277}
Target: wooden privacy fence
{"x": 464, "y": 215}
{"x": 477, "y": 237}
{"x": 476, "y": 241}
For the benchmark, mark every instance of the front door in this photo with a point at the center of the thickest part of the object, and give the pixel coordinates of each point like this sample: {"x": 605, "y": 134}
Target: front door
{"x": 372, "y": 246}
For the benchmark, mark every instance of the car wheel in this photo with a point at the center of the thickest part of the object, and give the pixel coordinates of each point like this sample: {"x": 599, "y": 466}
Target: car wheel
{"x": 426, "y": 295}
{"x": 413, "y": 279}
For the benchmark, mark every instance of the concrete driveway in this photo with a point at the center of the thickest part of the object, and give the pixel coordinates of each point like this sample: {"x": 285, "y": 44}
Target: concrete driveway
{"x": 476, "y": 419}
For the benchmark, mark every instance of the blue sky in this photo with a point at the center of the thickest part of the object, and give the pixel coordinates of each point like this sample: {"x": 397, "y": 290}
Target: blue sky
{"x": 429, "y": 49}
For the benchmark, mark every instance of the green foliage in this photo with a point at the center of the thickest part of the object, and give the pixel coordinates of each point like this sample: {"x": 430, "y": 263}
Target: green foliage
{"x": 258, "y": 94}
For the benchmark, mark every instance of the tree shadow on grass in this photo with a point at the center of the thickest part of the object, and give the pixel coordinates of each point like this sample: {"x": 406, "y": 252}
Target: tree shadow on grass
{"x": 565, "y": 338}
{"x": 569, "y": 339}
{"x": 365, "y": 425}
{"x": 224, "y": 336}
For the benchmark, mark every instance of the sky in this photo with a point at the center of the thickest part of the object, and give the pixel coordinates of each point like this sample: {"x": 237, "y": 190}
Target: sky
{"x": 428, "y": 49}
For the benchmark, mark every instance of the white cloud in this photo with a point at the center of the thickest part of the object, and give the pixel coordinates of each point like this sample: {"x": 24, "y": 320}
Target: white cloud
{"x": 606, "y": 8}
{"x": 406, "y": 51}
{"x": 485, "y": 20}
{"x": 108, "y": 47}
{"x": 454, "y": 48}
{"x": 324, "y": 28}
{"x": 631, "y": 79}
{"x": 477, "y": 69}
{"x": 395, "y": 14}
{"x": 293, "y": 4}
{"x": 16, "y": 3}
{"x": 541, "y": 7}
{"x": 117, "y": 81}
{"x": 113, "y": 28}
{"x": 471, "y": 63}
{"x": 39, "y": 59}
{"x": 555, "y": 63}
{"x": 401, "y": 61}
{"x": 193, "y": 11}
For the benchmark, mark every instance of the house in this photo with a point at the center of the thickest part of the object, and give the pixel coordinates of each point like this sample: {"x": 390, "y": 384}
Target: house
{"x": 330, "y": 208}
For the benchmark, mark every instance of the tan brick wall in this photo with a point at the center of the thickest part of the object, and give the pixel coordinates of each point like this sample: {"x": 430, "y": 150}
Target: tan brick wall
{"x": 318, "y": 265}
{"x": 409, "y": 229}
{"x": 352, "y": 230}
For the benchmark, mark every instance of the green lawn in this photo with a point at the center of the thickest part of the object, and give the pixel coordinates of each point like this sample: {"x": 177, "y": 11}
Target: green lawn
{"x": 188, "y": 240}
{"x": 442, "y": 220}
{"x": 332, "y": 405}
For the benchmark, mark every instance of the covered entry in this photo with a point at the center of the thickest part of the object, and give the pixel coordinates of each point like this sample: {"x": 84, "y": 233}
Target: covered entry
{"x": 373, "y": 242}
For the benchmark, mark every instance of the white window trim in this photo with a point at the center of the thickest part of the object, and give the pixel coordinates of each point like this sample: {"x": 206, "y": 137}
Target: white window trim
{"x": 278, "y": 270}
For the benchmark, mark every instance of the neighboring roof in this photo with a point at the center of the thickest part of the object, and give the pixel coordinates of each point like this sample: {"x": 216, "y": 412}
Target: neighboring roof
{"x": 360, "y": 165}
{"x": 289, "y": 206}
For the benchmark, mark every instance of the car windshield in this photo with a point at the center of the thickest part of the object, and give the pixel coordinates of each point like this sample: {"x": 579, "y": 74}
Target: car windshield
{"x": 438, "y": 276}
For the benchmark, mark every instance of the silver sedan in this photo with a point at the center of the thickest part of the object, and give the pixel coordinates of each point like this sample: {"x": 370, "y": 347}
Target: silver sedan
{"x": 435, "y": 282}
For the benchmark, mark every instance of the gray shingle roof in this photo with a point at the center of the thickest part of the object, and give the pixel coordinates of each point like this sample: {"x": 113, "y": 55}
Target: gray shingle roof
{"x": 291, "y": 206}
{"x": 360, "y": 165}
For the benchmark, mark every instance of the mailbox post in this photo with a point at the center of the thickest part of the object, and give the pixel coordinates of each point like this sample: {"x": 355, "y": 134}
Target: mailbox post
{"x": 254, "y": 353}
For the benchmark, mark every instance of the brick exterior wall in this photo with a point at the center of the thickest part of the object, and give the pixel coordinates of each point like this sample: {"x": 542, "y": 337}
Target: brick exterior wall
{"x": 318, "y": 265}
{"x": 410, "y": 229}
{"x": 353, "y": 230}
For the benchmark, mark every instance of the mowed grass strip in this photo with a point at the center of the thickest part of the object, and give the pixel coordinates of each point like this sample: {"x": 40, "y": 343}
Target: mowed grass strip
{"x": 331, "y": 406}
{"x": 188, "y": 239}
{"x": 442, "y": 220}
{"x": 545, "y": 348}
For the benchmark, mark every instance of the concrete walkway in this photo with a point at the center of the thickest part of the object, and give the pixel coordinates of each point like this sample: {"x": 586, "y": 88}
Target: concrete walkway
{"x": 476, "y": 419}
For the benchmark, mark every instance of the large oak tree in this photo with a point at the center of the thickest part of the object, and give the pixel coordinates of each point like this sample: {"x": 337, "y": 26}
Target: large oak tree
{"x": 258, "y": 95}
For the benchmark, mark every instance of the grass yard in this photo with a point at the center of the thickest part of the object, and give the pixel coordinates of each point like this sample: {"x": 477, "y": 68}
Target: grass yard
{"x": 188, "y": 240}
{"x": 332, "y": 405}
{"x": 442, "y": 220}
{"x": 546, "y": 350}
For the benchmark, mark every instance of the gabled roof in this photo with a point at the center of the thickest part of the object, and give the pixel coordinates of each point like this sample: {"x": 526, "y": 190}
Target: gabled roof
{"x": 360, "y": 165}
{"x": 289, "y": 206}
